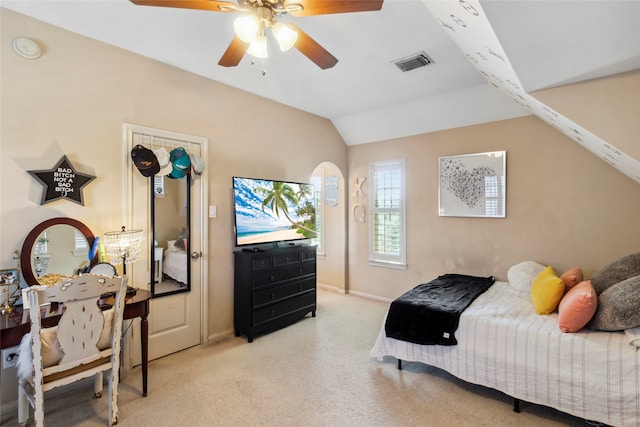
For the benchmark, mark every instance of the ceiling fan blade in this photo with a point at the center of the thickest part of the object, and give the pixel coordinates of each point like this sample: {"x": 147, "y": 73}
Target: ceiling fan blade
{"x": 324, "y": 7}
{"x": 312, "y": 50}
{"x": 234, "y": 53}
{"x": 212, "y": 5}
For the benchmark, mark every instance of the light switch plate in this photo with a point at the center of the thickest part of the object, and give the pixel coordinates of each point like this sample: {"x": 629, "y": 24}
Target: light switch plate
{"x": 213, "y": 211}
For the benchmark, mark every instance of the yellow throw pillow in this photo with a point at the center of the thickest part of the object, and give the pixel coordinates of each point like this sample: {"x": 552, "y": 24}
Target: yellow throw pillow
{"x": 546, "y": 291}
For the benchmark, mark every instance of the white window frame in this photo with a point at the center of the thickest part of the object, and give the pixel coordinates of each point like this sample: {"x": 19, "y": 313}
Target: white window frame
{"x": 158, "y": 186}
{"x": 80, "y": 244}
{"x": 382, "y": 259}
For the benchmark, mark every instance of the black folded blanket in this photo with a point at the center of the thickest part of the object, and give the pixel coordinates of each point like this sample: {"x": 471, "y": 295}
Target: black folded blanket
{"x": 429, "y": 313}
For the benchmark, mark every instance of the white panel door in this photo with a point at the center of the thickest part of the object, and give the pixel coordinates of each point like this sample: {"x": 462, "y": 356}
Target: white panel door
{"x": 176, "y": 321}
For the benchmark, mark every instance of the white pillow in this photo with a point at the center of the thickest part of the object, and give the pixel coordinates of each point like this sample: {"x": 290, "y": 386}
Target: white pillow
{"x": 52, "y": 351}
{"x": 106, "y": 336}
{"x": 522, "y": 275}
{"x": 171, "y": 246}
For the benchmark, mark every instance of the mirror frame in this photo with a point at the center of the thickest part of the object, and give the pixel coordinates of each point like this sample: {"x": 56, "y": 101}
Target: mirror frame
{"x": 27, "y": 247}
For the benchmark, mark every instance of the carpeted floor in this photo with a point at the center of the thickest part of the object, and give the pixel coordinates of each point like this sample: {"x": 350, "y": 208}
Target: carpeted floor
{"x": 316, "y": 372}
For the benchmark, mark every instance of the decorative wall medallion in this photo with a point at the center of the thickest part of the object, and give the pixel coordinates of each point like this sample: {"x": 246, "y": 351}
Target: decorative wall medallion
{"x": 62, "y": 182}
{"x": 359, "y": 212}
{"x": 331, "y": 191}
{"x": 358, "y": 183}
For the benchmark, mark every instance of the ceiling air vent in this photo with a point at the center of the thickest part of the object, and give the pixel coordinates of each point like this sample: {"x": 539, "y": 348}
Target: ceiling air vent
{"x": 414, "y": 61}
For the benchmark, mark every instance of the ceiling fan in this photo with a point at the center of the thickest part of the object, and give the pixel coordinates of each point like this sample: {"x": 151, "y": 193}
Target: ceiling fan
{"x": 258, "y": 15}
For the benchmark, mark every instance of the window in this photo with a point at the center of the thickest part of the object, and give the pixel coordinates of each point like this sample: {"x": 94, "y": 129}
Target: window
{"x": 158, "y": 185}
{"x": 387, "y": 207}
{"x": 80, "y": 246}
{"x": 494, "y": 191}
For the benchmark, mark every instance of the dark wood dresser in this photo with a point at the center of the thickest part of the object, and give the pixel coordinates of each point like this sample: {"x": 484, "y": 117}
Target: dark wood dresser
{"x": 273, "y": 288}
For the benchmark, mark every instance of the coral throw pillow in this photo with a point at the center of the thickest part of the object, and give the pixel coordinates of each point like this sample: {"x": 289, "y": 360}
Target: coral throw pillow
{"x": 546, "y": 291}
{"x": 572, "y": 277}
{"x": 577, "y": 307}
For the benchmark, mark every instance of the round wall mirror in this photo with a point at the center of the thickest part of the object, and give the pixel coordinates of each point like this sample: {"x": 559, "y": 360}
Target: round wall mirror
{"x": 57, "y": 245}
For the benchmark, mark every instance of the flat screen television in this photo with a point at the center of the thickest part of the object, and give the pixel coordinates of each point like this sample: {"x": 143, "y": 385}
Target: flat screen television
{"x": 268, "y": 211}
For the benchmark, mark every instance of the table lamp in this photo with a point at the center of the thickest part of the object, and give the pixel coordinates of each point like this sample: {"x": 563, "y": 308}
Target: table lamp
{"x": 123, "y": 246}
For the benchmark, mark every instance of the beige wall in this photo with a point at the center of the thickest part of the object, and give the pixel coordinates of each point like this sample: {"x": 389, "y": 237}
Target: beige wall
{"x": 74, "y": 101}
{"x": 608, "y": 107}
{"x": 565, "y": 206}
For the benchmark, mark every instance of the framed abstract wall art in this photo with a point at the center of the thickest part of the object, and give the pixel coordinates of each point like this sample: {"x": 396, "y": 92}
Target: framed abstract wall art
{"x": 473, "y": 185}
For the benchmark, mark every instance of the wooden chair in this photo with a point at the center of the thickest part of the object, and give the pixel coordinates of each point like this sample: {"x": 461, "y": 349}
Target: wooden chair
{"x": 79, "y": 333}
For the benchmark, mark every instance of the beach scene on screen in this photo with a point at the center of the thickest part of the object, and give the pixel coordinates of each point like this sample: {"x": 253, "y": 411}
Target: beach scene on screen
{"x": 272, "y": 211}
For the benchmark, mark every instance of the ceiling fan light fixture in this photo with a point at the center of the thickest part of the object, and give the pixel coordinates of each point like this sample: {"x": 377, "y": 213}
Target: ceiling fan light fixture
{"x": 258, "y": 47}
{"x": 285, "y": 36}
{"x": 247, "y": 27}
{"x": 288, "y": 8}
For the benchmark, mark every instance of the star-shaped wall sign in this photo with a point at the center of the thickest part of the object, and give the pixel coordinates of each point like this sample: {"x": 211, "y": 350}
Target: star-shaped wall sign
{"x": 62, "y": 182}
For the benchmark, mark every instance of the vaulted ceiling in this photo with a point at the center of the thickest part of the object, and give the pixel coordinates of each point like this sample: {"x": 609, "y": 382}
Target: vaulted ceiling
{"x": 365, "y": 95}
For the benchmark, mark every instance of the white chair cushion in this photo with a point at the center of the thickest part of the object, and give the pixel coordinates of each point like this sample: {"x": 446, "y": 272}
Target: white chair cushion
{"x": 51, "y": 351}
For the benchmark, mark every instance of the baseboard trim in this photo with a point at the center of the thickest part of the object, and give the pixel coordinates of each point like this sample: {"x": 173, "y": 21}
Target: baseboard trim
{"x": 213, "y": 338}
{"x": 370, "y": 296}
{"x": 331, "y": 288}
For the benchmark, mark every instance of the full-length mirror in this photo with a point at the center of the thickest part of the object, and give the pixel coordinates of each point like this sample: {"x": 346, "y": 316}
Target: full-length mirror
{"x": 170, "y": 209}
{"x": 56, "y": 246}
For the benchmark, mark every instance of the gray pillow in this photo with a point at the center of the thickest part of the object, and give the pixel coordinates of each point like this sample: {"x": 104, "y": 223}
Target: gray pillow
{"x": 180, "y": 239}
{"x": 617, "y": 271}
{"x": 618, "y": 307}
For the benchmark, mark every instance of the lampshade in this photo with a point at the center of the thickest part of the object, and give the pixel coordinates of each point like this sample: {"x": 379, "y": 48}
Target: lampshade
{"x": 123, "y": 246}
{"x": 258, "y": 47}
{"x": 247, "y": 27}
{"x": 285, "y": 36}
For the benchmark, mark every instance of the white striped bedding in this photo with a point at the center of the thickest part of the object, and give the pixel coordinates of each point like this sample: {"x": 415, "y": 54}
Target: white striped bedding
{"x": 504, "y": 345}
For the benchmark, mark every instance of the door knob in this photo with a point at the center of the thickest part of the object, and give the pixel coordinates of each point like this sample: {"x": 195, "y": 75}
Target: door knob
{"x": 196, "y": 255}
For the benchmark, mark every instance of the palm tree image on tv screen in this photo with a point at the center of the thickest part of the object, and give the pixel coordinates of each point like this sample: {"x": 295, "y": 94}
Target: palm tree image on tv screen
{"x": 273, "y": 211}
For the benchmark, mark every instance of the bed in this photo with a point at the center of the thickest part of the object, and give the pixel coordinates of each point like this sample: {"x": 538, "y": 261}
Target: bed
{"x": 174, "y": 264}
{"x": 503, "y": 344}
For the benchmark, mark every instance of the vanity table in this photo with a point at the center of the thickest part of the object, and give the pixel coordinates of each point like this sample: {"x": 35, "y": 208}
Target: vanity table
{"x": 15, "y": 325}
{"x": 60, "y": 238}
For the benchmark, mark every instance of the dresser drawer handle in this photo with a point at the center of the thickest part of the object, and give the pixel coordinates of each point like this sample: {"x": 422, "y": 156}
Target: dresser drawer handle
{"x": 300, "y": 287}
{"x": 286, "y": 259}
{"x": 273, "y": 295}
{"x": 272, "y": 278}
{"x": 273, "y": 313}
{"x": 300, "y": 272}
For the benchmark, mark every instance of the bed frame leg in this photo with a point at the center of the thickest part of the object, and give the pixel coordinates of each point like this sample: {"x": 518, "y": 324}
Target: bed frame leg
{"x": 516, "y": 405}
{"x": 399, "y": 364}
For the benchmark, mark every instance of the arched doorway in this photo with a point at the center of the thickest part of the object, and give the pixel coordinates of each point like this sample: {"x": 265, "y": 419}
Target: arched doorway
{"x": 332, "y": 241}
